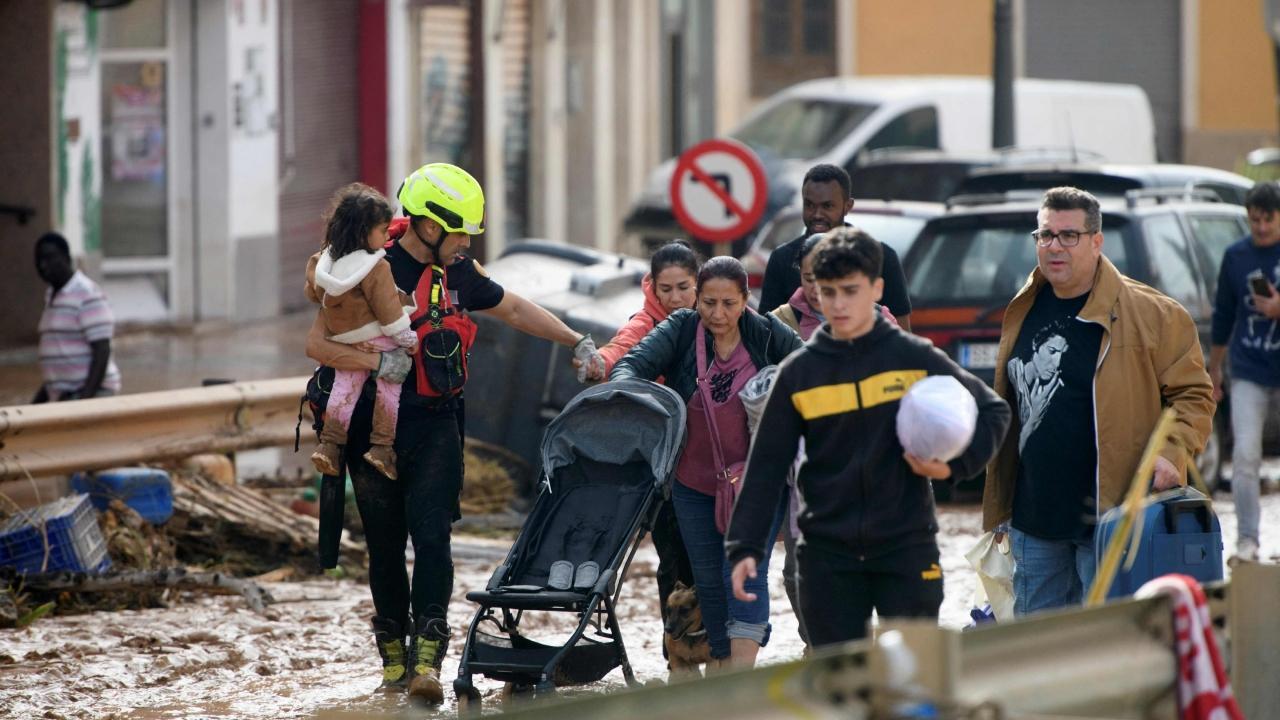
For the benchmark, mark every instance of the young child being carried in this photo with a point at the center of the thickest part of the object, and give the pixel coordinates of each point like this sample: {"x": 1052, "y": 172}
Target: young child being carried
{"x": 359, "y": 304}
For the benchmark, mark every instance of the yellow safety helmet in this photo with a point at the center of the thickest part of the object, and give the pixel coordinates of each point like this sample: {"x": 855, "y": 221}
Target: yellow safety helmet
{"x": 447, "y": 194}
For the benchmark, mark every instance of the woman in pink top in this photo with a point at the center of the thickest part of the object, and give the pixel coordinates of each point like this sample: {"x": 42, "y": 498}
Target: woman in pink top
{"x": 707, "y": 355}
{"x": 669, "y": 286}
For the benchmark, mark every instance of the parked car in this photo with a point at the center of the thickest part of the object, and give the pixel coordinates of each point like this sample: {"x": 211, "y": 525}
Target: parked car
{"x": 910, "y": 173}
{"x": 967, "y": 265}
{"x": 835, "y": 120}
{"x": 913, "y": 173}
{"x": 1106, "y": 180}
{"x": 525, "y": 381}
{"x": 894, "y": 223}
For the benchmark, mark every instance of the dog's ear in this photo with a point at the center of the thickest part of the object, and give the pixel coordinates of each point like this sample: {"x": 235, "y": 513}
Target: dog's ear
{"x": 679, "y": 586}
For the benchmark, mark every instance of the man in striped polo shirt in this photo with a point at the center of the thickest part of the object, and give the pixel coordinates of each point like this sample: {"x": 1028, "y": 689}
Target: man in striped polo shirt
{"x": 75, "y": 329}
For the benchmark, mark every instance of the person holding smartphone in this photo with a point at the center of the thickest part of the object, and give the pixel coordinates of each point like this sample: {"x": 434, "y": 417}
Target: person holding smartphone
{"x": 1246, "y": 314}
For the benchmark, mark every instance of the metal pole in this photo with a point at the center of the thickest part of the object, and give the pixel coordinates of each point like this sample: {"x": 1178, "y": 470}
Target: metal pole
{"x": 1002, "y": 129}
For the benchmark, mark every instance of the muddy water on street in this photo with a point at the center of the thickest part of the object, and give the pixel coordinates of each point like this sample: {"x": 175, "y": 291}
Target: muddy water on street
{"x": 212, "y": 657}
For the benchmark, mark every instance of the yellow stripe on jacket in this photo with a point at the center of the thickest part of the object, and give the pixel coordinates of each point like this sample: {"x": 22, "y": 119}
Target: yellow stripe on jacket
{"x": 878, "y": 389}
{"x": 826, "y": 400}
{"x": 888, "y": 386}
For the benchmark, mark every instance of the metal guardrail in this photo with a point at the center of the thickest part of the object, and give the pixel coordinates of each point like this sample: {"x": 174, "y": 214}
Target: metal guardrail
{"x": 58, "y": 438}
{"x": 1114, "y": 661}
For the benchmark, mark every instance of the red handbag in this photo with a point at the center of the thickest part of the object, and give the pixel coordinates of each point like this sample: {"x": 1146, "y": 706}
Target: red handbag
{"x": 729, "y": 477}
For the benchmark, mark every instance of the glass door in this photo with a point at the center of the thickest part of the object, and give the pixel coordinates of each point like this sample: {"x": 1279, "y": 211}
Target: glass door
{"x": 138, "y": 180}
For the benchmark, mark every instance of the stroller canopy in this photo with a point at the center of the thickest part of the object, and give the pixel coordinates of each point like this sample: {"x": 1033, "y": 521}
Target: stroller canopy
{"x": 618, "y": 422}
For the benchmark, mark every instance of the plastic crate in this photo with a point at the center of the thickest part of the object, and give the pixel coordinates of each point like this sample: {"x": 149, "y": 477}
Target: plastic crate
{"x": 147, "y": 490}
{"x": 75, "y": 542}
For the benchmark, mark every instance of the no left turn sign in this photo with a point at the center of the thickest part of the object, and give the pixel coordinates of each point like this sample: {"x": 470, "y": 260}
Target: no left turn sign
{"x": 718, "y": 190}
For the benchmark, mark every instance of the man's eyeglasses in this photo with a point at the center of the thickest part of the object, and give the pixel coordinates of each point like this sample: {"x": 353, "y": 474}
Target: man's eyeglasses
{"x": 1066, "y": 238}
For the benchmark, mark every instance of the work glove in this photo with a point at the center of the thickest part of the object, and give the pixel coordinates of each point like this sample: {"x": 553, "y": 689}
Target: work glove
{"x": 394, "y": 366}
{"x": 587, "y": 360}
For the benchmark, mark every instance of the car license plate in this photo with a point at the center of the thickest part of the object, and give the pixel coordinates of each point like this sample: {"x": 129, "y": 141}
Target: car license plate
{"x": 979, "y": 356}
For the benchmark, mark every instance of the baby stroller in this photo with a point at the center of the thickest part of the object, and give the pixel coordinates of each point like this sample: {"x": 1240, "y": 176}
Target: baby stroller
{"x": 607, "y": 460}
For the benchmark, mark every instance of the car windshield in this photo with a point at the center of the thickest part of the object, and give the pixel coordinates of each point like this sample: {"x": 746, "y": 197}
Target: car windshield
{"x": 783, "y": 229}
{"x": 803, "y": 128}
{"x": 930, "y": 182}
{"x": 986, "y": 262}
{"x": 896, "y": 231}
{"x": 1096, "y": 183}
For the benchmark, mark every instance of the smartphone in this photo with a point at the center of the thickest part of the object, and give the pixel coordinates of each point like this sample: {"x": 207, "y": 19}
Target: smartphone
{"x": 1258, "y": 284}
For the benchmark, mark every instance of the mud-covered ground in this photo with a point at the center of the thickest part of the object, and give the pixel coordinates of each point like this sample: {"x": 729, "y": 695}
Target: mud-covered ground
{"x": 212, "y": 657}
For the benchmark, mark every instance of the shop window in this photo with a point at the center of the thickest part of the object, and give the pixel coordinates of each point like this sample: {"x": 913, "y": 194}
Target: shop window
{"x": 791, "y": 41}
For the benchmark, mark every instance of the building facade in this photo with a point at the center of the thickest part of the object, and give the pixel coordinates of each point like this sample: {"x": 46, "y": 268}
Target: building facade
{"x": 188, "y": 148}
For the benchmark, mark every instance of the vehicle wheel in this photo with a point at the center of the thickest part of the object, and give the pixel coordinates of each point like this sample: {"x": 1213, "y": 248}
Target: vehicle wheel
{"x": 1209, "y": 463}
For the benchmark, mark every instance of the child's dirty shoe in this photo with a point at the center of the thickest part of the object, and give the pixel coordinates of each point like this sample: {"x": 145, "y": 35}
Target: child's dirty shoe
{"x": 326, "y": 458}
{"x": 383, "y": 459}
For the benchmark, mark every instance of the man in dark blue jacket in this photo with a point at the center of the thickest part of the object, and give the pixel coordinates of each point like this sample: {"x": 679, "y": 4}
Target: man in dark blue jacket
{"x": 1246, "y": 313}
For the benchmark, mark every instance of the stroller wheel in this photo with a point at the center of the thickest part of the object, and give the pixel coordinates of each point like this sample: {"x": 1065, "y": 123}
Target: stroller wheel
{"x": 514, "y": 694}
{"x": 544, "y": 689}
{"x": 469, "y": 702}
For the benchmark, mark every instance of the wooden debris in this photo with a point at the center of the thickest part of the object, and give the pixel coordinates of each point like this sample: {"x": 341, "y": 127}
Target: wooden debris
{"x": 254, "y": 594}
{"x": 280, "y": 574}
{"x": 242, "y": 528}
{"x": 492, "y": 475}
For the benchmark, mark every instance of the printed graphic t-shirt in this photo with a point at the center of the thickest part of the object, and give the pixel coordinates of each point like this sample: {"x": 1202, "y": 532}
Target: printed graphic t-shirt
{"x": 697, "y": 466}
{"x": 1051, "y": 373}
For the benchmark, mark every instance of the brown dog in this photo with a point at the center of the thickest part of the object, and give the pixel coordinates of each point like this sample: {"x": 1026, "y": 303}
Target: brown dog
{"x": 685, "y": 638}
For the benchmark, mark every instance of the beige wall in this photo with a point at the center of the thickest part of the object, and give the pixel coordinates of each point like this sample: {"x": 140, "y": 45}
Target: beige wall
{"x": 26, "y": 154}
{"x": 1237, "y": 68}
{"x": 923, "y": 37}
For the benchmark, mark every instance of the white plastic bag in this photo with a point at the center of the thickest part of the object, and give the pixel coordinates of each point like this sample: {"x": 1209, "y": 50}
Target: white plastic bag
{"x": 755, "y": 394}
{"x": 994, "y": 565}
{"x": 936, "y": 418}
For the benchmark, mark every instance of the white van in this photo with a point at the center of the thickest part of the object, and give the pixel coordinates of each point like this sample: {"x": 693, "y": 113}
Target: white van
{"x": 835, "y": 119}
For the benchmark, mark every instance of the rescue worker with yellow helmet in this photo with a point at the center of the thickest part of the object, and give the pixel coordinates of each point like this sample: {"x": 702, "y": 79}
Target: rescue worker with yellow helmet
{"x": 443, "y": 207}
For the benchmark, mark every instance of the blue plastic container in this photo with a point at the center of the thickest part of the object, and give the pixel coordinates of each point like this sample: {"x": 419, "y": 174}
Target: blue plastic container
{"x": 1180, "y": 534}
{"x": 74, "y": 540}
{"x": 146, "y": 490}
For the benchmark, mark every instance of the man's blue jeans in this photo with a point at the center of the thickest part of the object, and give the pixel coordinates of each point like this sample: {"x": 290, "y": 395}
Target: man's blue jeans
{"x": 1050, "y": 574}
{"x": 723, "y": 615}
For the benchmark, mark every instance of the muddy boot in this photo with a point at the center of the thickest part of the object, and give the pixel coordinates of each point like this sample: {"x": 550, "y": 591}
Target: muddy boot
{"x": 383, "y": 459}
{"x": 327, "y": 458}
{"x": 391, "y": 646}
{"x": 428, "y": 646}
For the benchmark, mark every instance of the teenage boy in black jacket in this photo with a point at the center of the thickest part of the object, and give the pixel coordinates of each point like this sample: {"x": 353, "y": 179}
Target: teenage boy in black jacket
{"x": 867, "y": 523}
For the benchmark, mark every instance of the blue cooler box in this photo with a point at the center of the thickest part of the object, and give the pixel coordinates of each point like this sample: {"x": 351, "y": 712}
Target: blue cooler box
{"x": 1180, "y": 534}
{"x": 61, "y": 535}
{"x": 146, "y": 490}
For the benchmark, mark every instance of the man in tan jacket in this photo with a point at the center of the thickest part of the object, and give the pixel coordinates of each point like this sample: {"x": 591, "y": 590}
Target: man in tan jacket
{"x": 1089, "y": 358}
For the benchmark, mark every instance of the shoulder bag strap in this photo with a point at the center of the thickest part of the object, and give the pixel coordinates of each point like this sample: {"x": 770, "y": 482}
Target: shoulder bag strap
{"x": 708, "y": 405}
